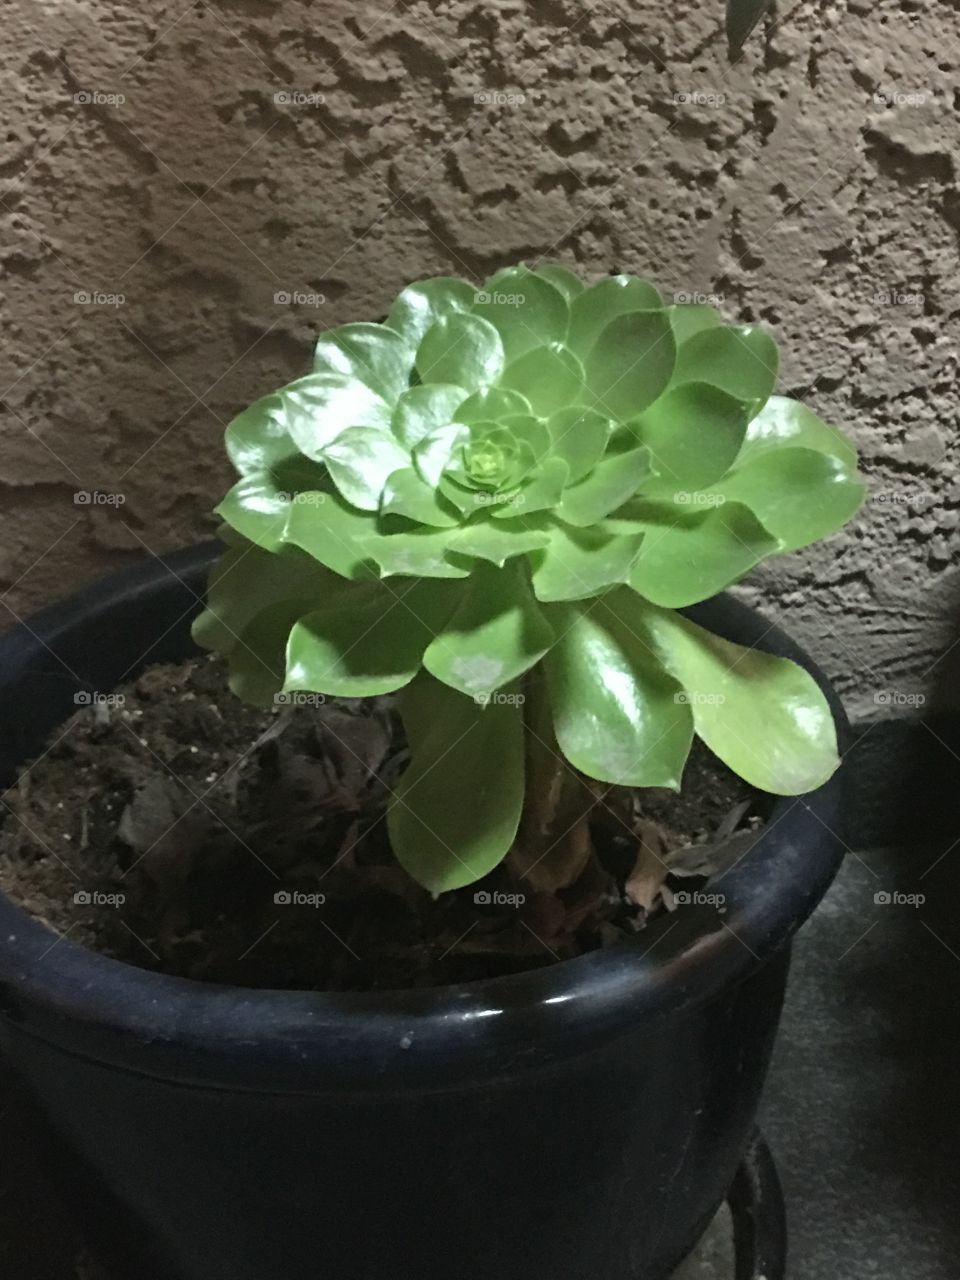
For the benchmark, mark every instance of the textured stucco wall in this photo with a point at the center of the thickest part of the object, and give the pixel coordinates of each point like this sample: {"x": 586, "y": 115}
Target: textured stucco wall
{"x": 813, "y": 186}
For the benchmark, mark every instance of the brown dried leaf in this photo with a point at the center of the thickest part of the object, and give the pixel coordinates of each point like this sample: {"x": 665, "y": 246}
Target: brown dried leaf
{"x": 355, "y": 745}
{"x": 645, "y": 881}
{"x": 712, "y": 858}
{"x": 585, "y": 899}
{"x": 165, "y": 827}
{"x": 557, "y": 865}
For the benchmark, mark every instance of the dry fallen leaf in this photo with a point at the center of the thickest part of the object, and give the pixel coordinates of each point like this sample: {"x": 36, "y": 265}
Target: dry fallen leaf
{"x": 712, "y": 858}
{"x": 650, "y": 869}
{"x": 166, "y": 828}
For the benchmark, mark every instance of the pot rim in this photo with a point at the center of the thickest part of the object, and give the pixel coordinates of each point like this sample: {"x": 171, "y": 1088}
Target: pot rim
{"x": 186, "y": 1030}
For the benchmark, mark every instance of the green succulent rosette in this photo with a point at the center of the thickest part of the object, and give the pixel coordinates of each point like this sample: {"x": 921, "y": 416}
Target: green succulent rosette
{"x": 539, "y": 471}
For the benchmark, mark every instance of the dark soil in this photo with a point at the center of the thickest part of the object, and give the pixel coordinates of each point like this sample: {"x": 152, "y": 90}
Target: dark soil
{"x": 177, "y": 829}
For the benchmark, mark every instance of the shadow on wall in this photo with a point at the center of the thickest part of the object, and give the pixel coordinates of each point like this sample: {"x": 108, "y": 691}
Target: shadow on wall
{"x": 905, "y": 764}
{"x": 905, "y": 824}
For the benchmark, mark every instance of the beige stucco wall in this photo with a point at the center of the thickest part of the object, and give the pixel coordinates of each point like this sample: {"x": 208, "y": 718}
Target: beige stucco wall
{"x": 813, "y": 185}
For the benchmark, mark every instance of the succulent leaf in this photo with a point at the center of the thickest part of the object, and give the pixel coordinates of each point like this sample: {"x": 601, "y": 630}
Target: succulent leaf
{"x": 743, "y": 361}
{"x": 562, "y": 278}
{"x": 258, "y": 439}
{"x": 322, "y": 405}
{"x": 432, "y": 454}
{"x": 694, "y": 433}
{"x": 423, "y": 409}
{"x": 612, "y": 482}
{"x": 461, "y": 348}
{"x": 490, "y": 404}
{"x": 526, "y": 310}
{"x": 549, "y": 378}
{"x": 260, "y": 504}
{"x": 419, "y": 552}
{"x": 333, "y": 532}
{"x": 577, "y": 564}
{"x": 616, "y": 714}
{"x": 407, "y": 494}
{"x": 799, "y": 495}
{"x": 456, "y": 809}
{"x": 765, "y": 717}
{"x": 419, "y": 306}
{"x": 369, "y": 353}
{"x": 369, "y": 643}
{"x": 499, "y": 542}
{"x": 597, "y": 306}
{"x": 692, "y": 555}
{"x": 630, "y": 363}
{"x": 247, "y": 579}
{"x": 783, "y": 422}
{"x": 533, "y": 471}
{"x": 688, "y": 318}
{"x": 539, "y": 492}
{"x": 361, "y": 460}
{"x": 258, "y": 661}
{"x": 496, "y": 633}
{"x": 579, "y": 437}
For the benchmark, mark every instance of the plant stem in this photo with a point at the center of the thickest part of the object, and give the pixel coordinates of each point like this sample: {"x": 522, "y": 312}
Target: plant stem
{"x": 553, "y": 846}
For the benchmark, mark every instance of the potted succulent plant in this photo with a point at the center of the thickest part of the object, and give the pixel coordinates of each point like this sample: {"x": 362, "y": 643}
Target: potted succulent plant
{"x": 509, "y": 510}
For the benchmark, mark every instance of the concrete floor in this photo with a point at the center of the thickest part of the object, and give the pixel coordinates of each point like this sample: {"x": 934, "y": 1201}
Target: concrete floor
{"x": 862, "y": 1109}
